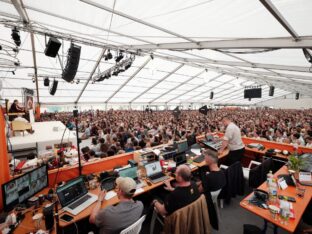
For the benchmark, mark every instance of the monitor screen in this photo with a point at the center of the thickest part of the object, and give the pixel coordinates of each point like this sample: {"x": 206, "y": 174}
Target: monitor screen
{"x": 129, "y": 172}
{"x": 191, "y": 140}
{"x": 24, "y": 187}
{"x": 71, "y": 191}
{"x": 181, "y": 146}
{"x": 253, "y": 93}
{"x": 152, "y": 168}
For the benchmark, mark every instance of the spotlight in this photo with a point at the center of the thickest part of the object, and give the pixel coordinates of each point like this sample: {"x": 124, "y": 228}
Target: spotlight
{"x": 152, "y": 56}
{"x": 122, "y": 68}
{"x": 77, "y": 81}
{"x": 115, "y": 72}
{"x": 307, "y": 54}
{"x": 108, "y": 56}
{"x": 13, "y": 72}
{"x": 16, "y": 37}
{"x": 119, "y": 57}
{"x": 33, "y": 80}
{"x": 17, "y": 64}
{"x": 46, "y": 81}
{"x": 128, "y": 65}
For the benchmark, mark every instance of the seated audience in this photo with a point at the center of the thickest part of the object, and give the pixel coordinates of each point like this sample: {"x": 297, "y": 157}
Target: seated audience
{"x": 113, "y": 219}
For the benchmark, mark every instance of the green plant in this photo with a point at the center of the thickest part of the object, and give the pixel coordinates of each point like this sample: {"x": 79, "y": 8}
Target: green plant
{"x": 295, "y": 162}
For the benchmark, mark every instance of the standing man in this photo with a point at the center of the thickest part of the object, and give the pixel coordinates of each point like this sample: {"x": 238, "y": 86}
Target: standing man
{"x": 232, "y": 139}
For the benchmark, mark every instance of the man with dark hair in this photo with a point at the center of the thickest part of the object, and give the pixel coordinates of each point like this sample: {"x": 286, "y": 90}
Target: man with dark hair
{"x": 233, "y": 140}
{"x": 182, "y": 195}
{"x": 213, "y": 180}
{"x": 113, "y": 219}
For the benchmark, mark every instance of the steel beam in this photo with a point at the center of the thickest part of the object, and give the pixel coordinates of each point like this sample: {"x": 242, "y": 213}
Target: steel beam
{"x": 179, "y": 85}
{"x": 129, "y": 79}
{"x": 198, "y": 86}
{"x": 158, "y": 82}
{"x": 105, "y": 8}
{"x": 279, "y": 17}
{"x": 243, "y": 43}
{"x": 91, "y": 74}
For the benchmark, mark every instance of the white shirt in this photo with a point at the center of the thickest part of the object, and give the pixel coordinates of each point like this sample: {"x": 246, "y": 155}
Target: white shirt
{"x": 233, "y": 136}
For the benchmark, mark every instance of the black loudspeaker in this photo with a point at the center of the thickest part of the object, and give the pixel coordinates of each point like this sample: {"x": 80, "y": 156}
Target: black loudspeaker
{"x": 211, "y": 95}
{"x": 46, "y": 82}
{"x": 48, "y": 216}
{"x": 203, "y": 110}
{"x": 54, "y": 87}
{"x": 72, "y": 63}
{"x": 52, "y": 47}
{"x": 75, "y": 113}
{"x": 271, "y": 91}
{"x": 297, "y": 96}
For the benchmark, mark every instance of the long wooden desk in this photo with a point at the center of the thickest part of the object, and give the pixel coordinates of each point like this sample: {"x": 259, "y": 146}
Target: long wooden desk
{"x": 28, "y": 225}
{"x": 299, "y": 206}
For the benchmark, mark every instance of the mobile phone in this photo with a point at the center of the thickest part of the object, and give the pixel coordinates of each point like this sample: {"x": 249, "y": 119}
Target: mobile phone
{"x": 66, "y": 218}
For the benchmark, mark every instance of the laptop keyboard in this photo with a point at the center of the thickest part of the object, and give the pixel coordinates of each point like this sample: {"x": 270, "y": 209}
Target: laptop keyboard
{"x": 79, "y": 202}
{"x": 199, "y": 159}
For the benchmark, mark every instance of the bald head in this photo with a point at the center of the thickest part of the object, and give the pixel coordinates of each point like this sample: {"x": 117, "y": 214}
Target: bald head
{"x": 184, "y": 172}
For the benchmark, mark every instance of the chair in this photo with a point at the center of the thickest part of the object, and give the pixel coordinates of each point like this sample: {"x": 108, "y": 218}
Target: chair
{"x": 214, "y": 197}
{"x": 193, "y": 218}
{"x": 134, "y": 228}
{"x": 246, "y": 170}
{"x": 19, "y": 126}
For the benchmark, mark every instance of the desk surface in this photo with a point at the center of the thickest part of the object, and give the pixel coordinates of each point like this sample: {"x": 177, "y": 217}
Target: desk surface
{"x": 299, "y": 206}
{"x": 28, "y": 225}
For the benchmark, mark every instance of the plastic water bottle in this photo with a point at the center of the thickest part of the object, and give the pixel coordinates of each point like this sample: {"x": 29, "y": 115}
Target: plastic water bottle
{"x": 269, "y": 178}
{"x": 273, "y": 191}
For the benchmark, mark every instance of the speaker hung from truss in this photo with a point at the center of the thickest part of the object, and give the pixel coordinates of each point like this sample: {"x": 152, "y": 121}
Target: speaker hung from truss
{"x": 72, "y": 63}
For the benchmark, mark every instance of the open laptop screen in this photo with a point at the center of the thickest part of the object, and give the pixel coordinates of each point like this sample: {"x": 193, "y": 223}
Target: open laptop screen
{"x": 181, "y": 146}
{"x": 71, "y": 191}
{"x": 152, "y": 168}
{"x": 129, "y": 172}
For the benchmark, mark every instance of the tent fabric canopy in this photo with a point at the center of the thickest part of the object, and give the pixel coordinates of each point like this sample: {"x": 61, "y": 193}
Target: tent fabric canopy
{"x": 184, "y": 49}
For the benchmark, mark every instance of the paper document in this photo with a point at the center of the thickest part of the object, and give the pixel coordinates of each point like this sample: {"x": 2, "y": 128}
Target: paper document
{"x": 196, "y": 151}
{"x": 110, "y": 195}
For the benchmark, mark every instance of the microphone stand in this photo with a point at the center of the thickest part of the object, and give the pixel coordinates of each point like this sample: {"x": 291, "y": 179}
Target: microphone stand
{"x": 78, "y": 142}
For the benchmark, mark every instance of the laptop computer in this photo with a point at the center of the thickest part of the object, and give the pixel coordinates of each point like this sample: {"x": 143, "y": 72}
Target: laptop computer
{"x": 154, "y": 172}
{"x": 132, "y": 173}
{"x": 180, "y": 159}
{"x": 74, "y": 196}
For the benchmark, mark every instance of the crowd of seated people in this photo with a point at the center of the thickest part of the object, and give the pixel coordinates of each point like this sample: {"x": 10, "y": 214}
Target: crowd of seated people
{"x": 115, "y": 132}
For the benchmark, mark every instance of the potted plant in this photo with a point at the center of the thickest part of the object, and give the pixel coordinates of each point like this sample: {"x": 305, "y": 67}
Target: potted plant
{"x": 295, "y": 163}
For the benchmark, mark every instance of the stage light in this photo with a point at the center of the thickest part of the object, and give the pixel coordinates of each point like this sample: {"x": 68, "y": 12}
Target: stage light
{"x": 33, "y": 80}
{"x": 16, "y": 36}
{"x": 307, "y": 54}
{"x": 152, "y": 56}
{"x": 13, "y": 72}
{"x": 119, "y": 57}
{"x": 108, "y": 56}
{"x": 122, "y": 68}
{"x": 128, "y": 65}
{"x": 46, "y": 82}
{"x": 115, "y": 72}
{"x": 77, "y": 81}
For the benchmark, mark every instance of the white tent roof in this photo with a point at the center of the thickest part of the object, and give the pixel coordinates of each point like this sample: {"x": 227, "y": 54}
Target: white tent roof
{"x": 198, "y": 46}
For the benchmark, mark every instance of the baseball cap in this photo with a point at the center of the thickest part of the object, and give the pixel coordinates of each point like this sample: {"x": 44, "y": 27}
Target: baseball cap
{"x": 126, "y": 184}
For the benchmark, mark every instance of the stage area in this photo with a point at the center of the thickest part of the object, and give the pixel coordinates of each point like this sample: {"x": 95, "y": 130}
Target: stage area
{"x": 46, "y": 134}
